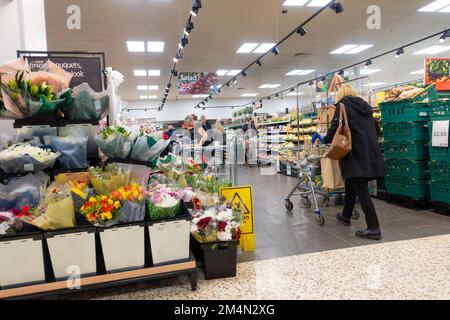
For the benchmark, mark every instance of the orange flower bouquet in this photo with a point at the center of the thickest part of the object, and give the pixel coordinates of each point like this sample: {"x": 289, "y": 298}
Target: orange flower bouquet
{"x": 103, "y": 211}
{"x": 132, "y": 200}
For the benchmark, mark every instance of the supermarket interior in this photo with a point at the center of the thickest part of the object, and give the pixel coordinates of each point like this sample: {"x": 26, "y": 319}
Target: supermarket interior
{"x": 225, "y": 150}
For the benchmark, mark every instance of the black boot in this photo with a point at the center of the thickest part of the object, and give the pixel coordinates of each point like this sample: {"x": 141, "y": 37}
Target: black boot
{"x": 343, "y": 220}
{"x": 373, "y": 234}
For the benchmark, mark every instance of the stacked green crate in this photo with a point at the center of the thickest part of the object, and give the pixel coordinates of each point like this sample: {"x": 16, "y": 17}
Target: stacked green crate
{"x": 440, "y": 156}
{"x": 406, "y": 146}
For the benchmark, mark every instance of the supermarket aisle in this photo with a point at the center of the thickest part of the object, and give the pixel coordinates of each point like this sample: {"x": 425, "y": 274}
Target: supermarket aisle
{"x": 280, "y": 234}
{"x": 313, "y": 276}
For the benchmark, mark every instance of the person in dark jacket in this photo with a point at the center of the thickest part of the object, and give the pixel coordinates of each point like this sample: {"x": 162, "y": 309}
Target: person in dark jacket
{"x": 363, "y": 164}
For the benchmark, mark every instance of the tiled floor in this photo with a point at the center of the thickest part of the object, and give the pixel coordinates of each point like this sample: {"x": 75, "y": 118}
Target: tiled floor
{"x": 279, "y": 233}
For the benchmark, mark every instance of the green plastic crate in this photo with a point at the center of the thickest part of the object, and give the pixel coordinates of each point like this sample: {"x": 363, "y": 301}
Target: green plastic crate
{"x": 440, "y": 109}
{"x": 440, "y": 170}
{"x": 409, "y": 150}
{"x": 408, "y": 168}
{"x": 440, "y": 190}
{"x": 401, "y": 131}
{"x": 438, "y": 154}
{"x": 412, "y": 188}
{"x": 405, "y": 110}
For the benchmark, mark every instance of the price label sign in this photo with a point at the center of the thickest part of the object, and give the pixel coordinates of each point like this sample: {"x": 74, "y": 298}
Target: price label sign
{"x": 440, "y": 133}
{"x": 278, "y": 166}
{"x": 289, "y": 170}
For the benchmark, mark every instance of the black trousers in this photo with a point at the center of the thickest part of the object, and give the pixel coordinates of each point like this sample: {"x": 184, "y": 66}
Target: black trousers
{"x": 359, "y": 187}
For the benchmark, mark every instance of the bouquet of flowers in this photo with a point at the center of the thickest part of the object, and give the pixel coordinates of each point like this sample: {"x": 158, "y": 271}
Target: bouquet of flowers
{"x": 163, "y": 202}
{"x": 26, "y": 158}
{"x": 101, "y": 211}
{"x": 56, "y": 209}
{"x": 109, "y": 178}
{"x": 35, "y": 134}
{"x": 229, "y": 222}
{"x": 73, "y": 150}
{"x": 80, "y": 193}
{"x": 204, "y": 225}
{"x": 149, "y": 147}
{"x": 116, "y": 142}
{"x": 9, "y": 223}
{"x": 132, "y": 200}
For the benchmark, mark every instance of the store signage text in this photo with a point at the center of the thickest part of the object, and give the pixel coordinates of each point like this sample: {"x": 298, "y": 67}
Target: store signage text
{"x": 374, "y": 20}
{"x": 73, "y": 21}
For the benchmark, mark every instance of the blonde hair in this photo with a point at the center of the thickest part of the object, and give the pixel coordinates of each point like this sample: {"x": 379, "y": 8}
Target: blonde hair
{"x": 346, "y": 90}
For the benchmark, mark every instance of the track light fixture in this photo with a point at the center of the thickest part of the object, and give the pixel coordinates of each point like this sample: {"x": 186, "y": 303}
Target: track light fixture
{"x": 399, "y": 52}
{"x": 336, "y": 6}
{"x": 301, "y": 31}
{"x": 368, "y": 63}
{"x": 196, "y": 6}
{"x": 219, "y": 91}
{"x": 210, "y": 97}
{"x": 178, "y": 56}
{"x": 169, "y": 85}
{"x": 292, "y": 90}
{"x": 183, "y": 43}
{"x": 189, "y": 27}
{"x": 203, "y": 108}
{"x": 174, "y": 73}
{"x": 324, "y": 78}
{"x": 234, "y": 81}
{"x": 311, "y": 83}
{"x": 260, "y": 101}
{"x": 276, "y": 96}
{"x": 244, "y": 74}
{"x": 228, "y": 84}
{"x": 259, "y": 63}
{"x": 268, "y": 98}
{"x": 341, "y": 72}
{"x": 275, "y": 51}
{"x": 445, "y": 35}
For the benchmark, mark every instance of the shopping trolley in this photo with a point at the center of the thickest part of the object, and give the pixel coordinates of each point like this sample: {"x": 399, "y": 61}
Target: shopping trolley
{"x": 308, "y": 168}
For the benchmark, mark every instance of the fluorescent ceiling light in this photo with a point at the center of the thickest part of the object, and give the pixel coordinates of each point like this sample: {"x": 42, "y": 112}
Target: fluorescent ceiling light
{"x": 422, "y": 71}
{"x": 374, "y": 84}
{"x": 359, "y": 49}
{"x": 306, "y": 72}
{"x": 140, "y": 73}
{"x": 264, "y": 47}
{"x": 222, "y": 72}
{"x": 233, "y": 72}
{"x": 247, "y": 47}
{"x": 295, "y": 94}
{"x": 446, "y": 9}
{"x": 152, "y": 97}
{"x": 344, "y": 49}
{"x": 318, "y": 3}
{"x": 366, "y": 72}
{"x": 249, "y": 95}
{"x": 153, "y": 87}
{"x": 435, "y": 6}
{"x": 299, "y": 72}
{"x": 269, "y": 86}
{"x": 142, "y": 88}
{"x": 200, "y": 96}
{"x": 154, "y": 73}
{"x": 433, "y": 50}
{"x": 143, "y": 97}
{"x": 136, "y": 46}
{"x": 294, "y": 3}
{"x": 155, "y": 46}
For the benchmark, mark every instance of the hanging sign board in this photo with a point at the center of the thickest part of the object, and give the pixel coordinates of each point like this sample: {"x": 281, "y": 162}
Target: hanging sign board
{"x": 258, "y": 106}
{"x": 437, "y": 70}
{"x": 83, "y": 69}
{"x": 197, "y": 83}
{"x": 440, "y": 133}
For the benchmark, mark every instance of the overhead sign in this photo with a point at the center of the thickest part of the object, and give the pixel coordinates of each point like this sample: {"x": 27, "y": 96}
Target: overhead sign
{"x": 440, "y": 133}
{"x": 437, "y": 70}
{"x": 258, "y": 106}
{"x": 243, "y": 197}
{"x": 197, "y": 83}
{"x": 83, "y": 69}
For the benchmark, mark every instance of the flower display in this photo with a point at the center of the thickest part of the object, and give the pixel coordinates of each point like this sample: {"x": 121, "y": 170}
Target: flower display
{"x": 132, "y": 199}
{"x": 24, "y": 157}
{"x": 101, "y": 210}
{"x": 108, "y": 178}
{"x": 204, "y": 225}
{"x": 116, "y": 142}
{"x": 163, "y": 202}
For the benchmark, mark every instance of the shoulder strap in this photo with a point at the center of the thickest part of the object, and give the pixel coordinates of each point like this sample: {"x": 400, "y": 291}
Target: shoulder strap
{"x": 343, "y": 114}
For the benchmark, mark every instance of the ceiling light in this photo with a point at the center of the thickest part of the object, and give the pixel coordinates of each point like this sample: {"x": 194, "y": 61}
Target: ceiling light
{"x": 196, "y": 6}
{"x": 140, "y": 73}
{"x": 259, "y": 63}
{"x": 247, "y": 47}
{"x": 188, "y": 28}
{"x": 351, "y": 49}
{"x": 142, "y": 88}
{"x": 368, "y": 63}
{"x": 199, "y": 96}
{"x": 269, "y": 86}
{"x": 399, "y": 52}
{"x": 276, "y": 96}
{"x": 344, "y": 49}
{"x": 299, "y": 72}
{"x": 155, "y": 46}
{"x": 301, "y": 31}
{"x": 336, "y": 6}
{"x": 435, "y": 6}
{"x": 433, "y": 50}
{"x": 264, "y": 47}
{"x": 293, "y": 72}
{"x": 143, "y": 97}
{"x": 311, "y": 84}
{"x": 374, "y": 84}
{"x": 228, "y": 84}
{"x": 318, "y": 3}
{"x": 249, "y": 95}
{"x": 292, "y": 90}
{"x": 154, "y": 73}
{"x": 366, "y": 72}
{"x": 295, "y": 94}
{"x": 136, "y": 46}
{"x": 194, "y": 12}
{"x": 183, "y": 43}
{"x": 359, "y": 49}
{"x": 422, "y": 71}
{"x": 222, "y": 72}
{"x": 153, "y": 87}
{"x": 169, "y": 85}
{"x": 294, "y": 3}
{"x": 233, "y": 72}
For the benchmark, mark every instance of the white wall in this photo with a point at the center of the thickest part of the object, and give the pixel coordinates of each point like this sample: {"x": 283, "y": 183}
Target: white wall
{"x": 178, "y": 110}
{"x": 23, "y": 27}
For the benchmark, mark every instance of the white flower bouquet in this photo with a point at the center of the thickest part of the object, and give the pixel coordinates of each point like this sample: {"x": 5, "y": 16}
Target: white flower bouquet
{"x": 26, "y": 158}
{"x": 116, "y": 142}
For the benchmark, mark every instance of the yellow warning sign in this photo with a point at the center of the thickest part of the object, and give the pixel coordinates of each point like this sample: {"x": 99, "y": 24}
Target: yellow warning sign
{"x": 243, "y": 196}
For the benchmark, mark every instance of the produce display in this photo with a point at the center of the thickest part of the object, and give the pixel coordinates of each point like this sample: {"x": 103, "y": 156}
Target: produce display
{"x": 404, "y": 92}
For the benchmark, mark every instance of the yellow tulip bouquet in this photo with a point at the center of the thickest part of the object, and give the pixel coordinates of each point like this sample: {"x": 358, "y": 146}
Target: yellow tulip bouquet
{"x": 102, "y": 211}
{"x": 132, "y": 198}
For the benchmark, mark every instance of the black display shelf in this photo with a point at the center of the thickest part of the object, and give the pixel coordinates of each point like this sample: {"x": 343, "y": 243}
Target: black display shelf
{"x": 50, "y": 121}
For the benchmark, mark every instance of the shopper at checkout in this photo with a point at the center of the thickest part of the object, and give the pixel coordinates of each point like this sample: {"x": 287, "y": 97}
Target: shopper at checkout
{"x": 363, "y": 164}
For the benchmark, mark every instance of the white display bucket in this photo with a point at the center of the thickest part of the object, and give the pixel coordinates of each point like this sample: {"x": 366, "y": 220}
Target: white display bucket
{"x": 72, "y": 253}
{"x": 123, "y": 247}
{"x": 21, "y": 261}
{"x": 169, "y": 240}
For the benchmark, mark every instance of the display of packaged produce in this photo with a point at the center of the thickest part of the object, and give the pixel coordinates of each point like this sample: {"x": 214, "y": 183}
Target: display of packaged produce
{"x": 403, "y": 92}
{"x": 24, "y": 157}
{"x": 116, "y": 142}
{"x": 108, "y": 178}
{"x": 73, "y": 150}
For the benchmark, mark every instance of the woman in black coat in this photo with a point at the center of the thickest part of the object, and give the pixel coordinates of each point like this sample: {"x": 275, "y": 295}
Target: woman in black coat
{"x": 363, "y": 164}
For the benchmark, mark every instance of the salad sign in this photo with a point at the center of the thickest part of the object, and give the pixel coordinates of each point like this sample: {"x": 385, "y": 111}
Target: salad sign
{"x": 440, "y": 133}
{"x": 192, "y": 83}
{"x": 437, "y": 70}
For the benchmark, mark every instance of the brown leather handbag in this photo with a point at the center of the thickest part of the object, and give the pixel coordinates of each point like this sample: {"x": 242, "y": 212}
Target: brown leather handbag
{"x": 342, "y": 141}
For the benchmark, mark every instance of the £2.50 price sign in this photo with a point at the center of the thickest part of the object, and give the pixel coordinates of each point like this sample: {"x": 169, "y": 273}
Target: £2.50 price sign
{"x": 441, "y": 133}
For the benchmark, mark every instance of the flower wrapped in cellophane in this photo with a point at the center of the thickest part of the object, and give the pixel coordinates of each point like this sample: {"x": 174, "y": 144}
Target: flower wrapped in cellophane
{"x": 116, "y": 142}
{"x": 9, "y": 223}
{"x": 55, "y": 210}
{"x": 24, "y": 157}
{"x": 108, "y": 178}
{"x": 229, "y": 221}
{"x": 149, "y": 147}
{"x": 204, "y": 225}
{"x": 80, "y": 193}
{"x": 86, "y": 104}
{"x": 163, "y": 202}
{"x": 102, "y": 211}
{"x": 73, "y": 150}
{"x": 132, "y": 198}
